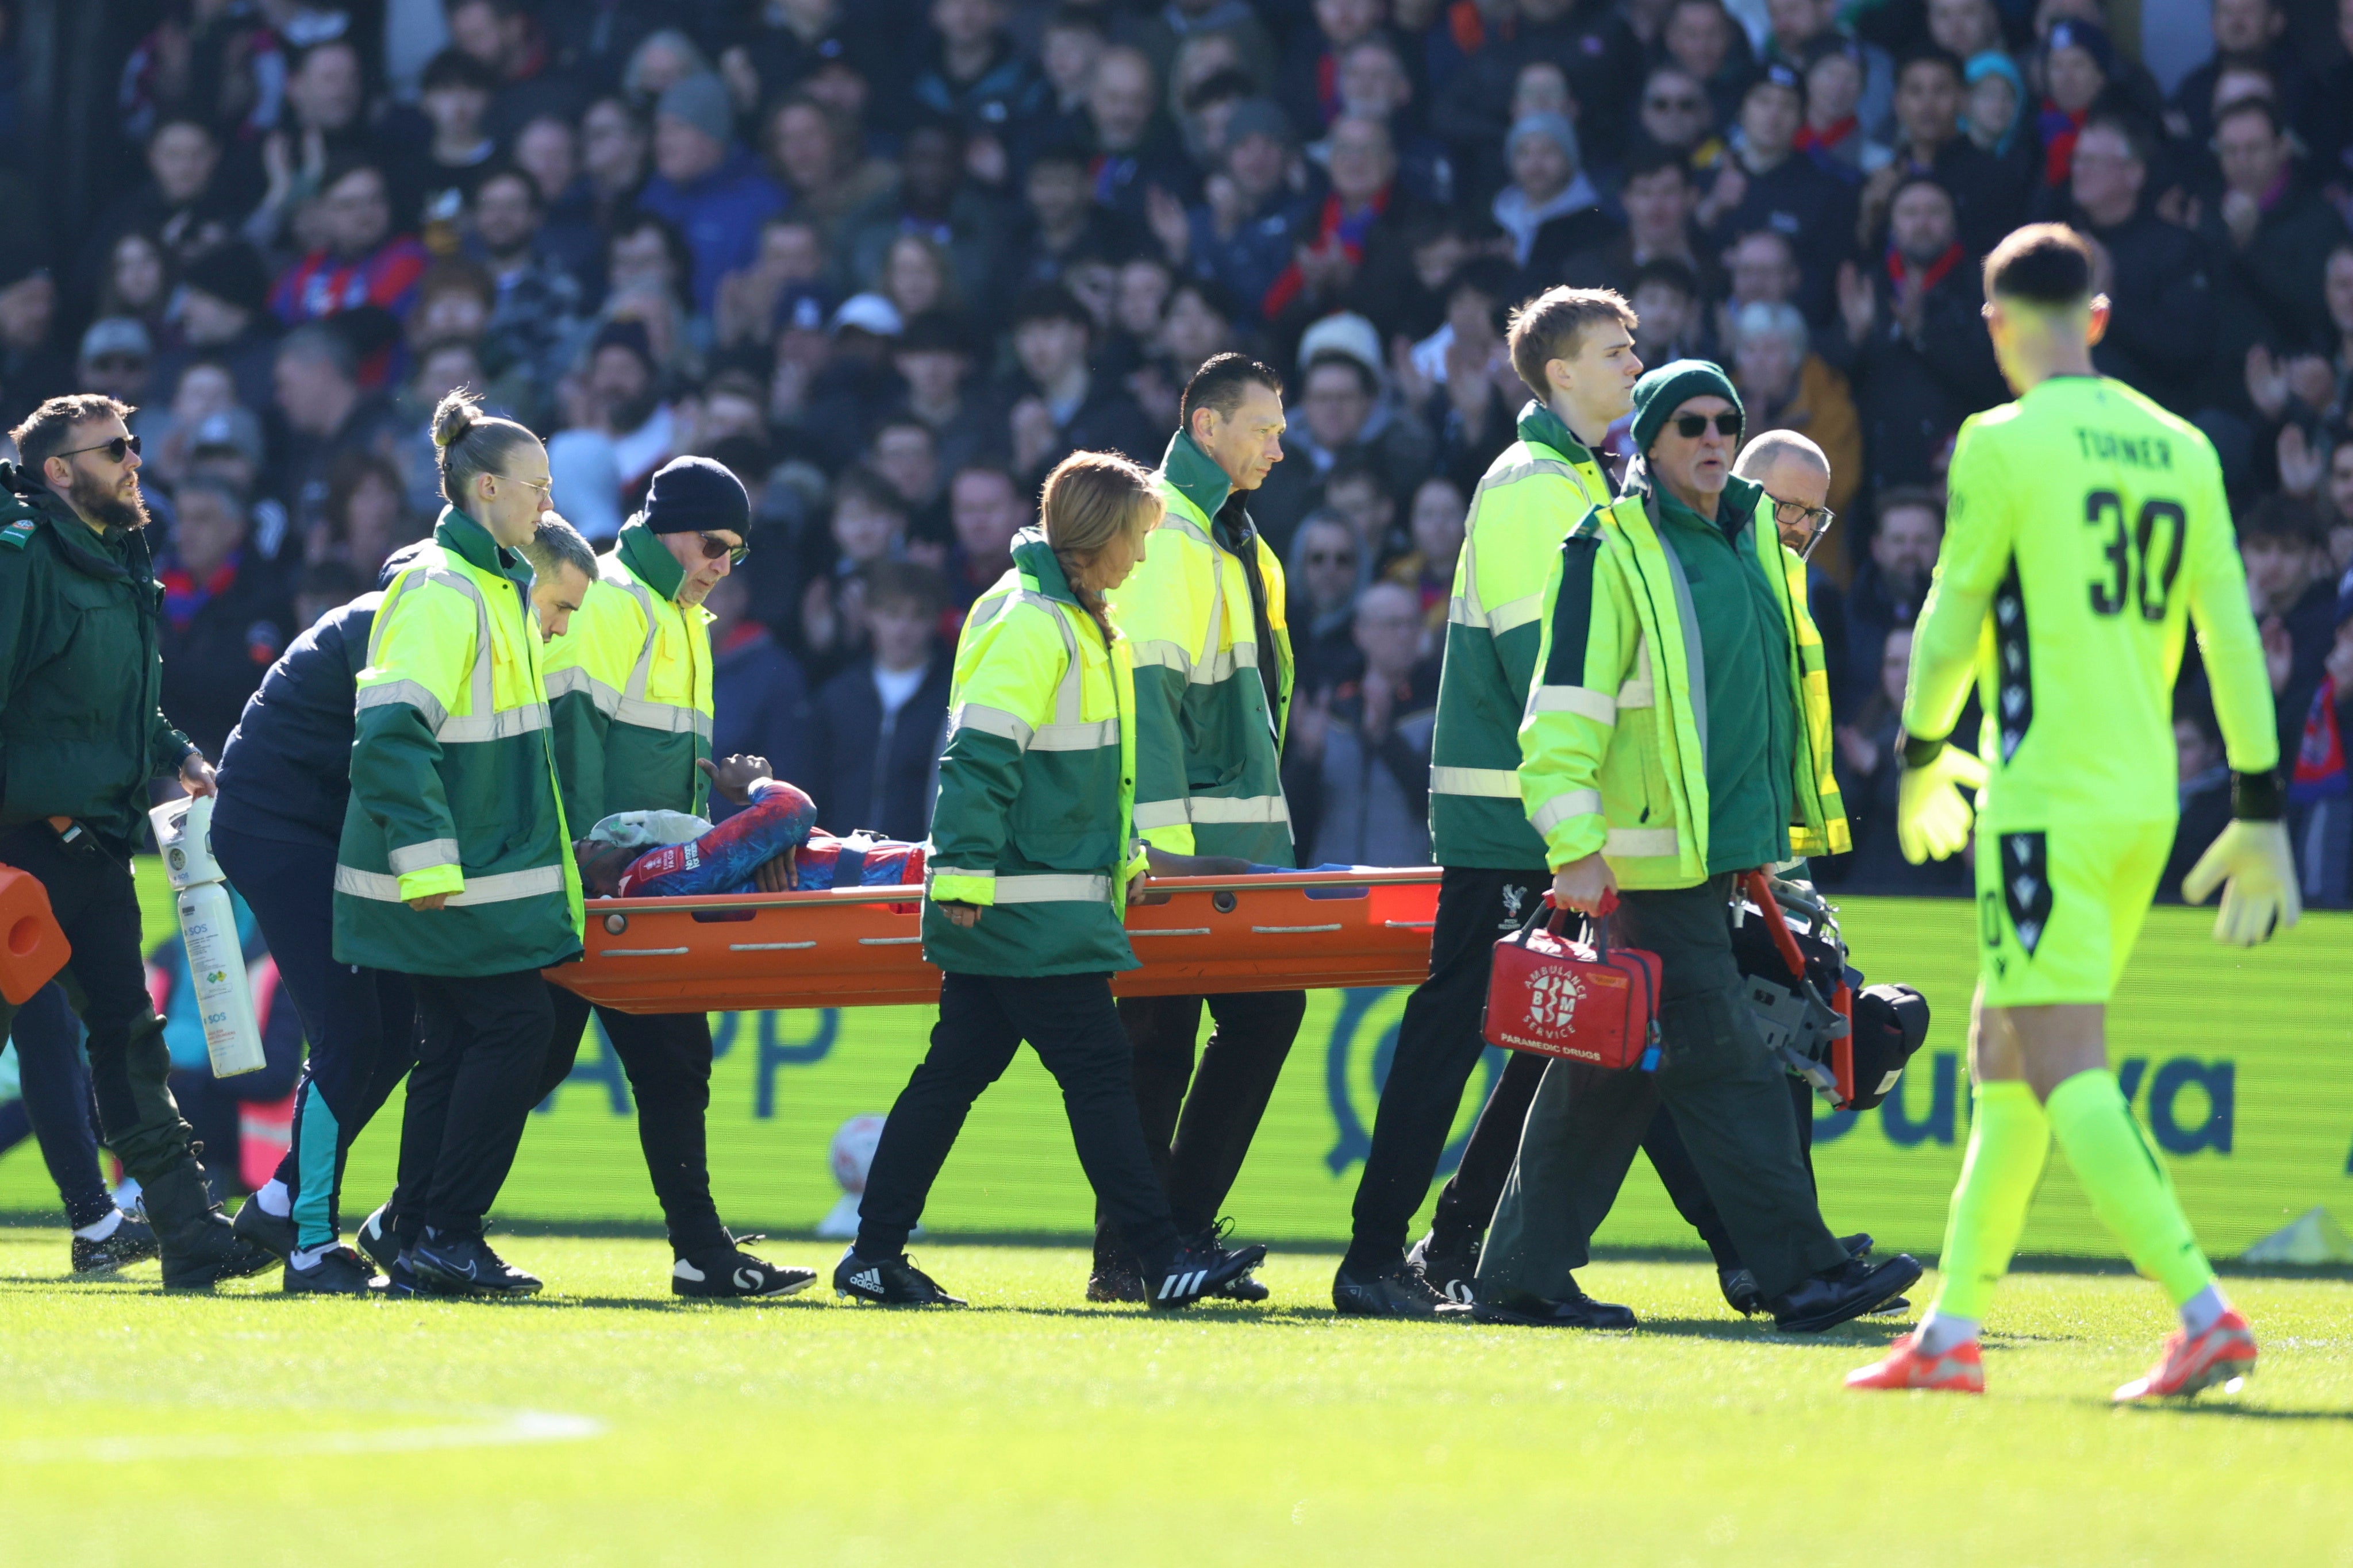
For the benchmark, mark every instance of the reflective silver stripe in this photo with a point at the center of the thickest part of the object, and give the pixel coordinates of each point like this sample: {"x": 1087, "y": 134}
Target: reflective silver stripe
{"x": 1077, "y": 737}
{"x": 1460, "y": 611}
{"x": 1242, "y": 808}
{"x": 1494, "y": 784}
{"x": 457, "y": 583}
{"x": 991, "y": 605}
{"x": 466, "y": 728}
{"x": 1638, "y": 691}
{"x": 1185, "y": 525}
{"x": 417, "y": 857}
{"x": 1642, "y": 842}
{"x": 572, "y": 680}
{"x": 1053, "y": 889}
{"x": 1561, "y": 808}
{"x": 1575, "y": 700}
{"x": 1164, "y": 653}
{"x": 1694, "y": 665}
{"x": 410, "y": 692}
{"x": 667, "y": 717}
{"x": 990, "y": 721}
{"x": 1474, "y": 611}
{"x": 1518, "y": 613}
{"x": 1159, "y": 814}
{"x": 502, "y": 889}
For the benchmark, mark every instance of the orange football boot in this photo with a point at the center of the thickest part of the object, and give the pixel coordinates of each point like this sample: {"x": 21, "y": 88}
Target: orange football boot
{"x": 1961, "y": 1370}
{"x": 2189, "y": 1364}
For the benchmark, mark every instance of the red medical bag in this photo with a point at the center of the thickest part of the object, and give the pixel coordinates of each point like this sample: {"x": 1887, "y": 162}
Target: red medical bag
{"x": 1553, "y": 997}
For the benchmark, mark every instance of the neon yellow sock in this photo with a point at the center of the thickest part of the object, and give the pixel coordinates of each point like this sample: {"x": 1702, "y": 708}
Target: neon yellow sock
{"x": 2126, "y": 1182}
{"x": 2009, "y": 1138}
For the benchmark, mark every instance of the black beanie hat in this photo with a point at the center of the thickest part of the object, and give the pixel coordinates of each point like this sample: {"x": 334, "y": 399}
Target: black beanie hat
{"x": 695, "y": 495}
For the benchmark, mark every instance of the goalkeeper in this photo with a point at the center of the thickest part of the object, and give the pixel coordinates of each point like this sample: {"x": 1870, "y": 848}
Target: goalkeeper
{"x": 2085, "y": 525}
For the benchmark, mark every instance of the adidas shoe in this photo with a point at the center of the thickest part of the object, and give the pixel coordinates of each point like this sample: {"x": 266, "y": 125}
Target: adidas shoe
{"x": 376, "y": 1242}
{"x": 1961, "y": 1370}
{"x": 459, "y": 1263}
{"x": 1450, "y": 1274}
{"x": 272, "y": 1232}
{"x": 131, "y": 1240}
{"x": 1202, "y": 1266}
{"x": 888, "y": 1282}
{"x": 730, "y": 1273}
{"x": 2189, "y": 1364}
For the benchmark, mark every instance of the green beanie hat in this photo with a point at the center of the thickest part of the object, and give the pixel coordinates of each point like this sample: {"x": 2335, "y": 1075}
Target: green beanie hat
{"x": 1662, "y": 391}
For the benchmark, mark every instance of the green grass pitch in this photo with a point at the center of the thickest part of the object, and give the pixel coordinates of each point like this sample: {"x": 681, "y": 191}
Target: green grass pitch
{"x": 602, "y": 1424}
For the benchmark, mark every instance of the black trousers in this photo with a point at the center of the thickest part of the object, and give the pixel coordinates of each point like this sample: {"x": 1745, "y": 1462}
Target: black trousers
{"x": 1071, "y": 1022}
{"x": 1438, "y": 1044}
{"x": 482, "y": 1043}
{"x": 667, "y": 1059}
{"x": 57, "y": 1102}
{"x": 105, "y": 982}
{"x": 1729, "y": 1100}
{"x": 1199, "y": 1138}
{"x": 361, "y": 1024}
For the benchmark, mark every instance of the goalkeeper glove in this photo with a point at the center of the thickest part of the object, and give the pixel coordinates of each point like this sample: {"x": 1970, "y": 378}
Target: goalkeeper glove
{"x": 2251, "y": 861}
{"x": 1932, "y": 818}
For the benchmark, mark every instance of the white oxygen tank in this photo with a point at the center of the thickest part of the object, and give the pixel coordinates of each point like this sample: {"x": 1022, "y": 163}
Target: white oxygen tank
{"x": 184, "y": 831}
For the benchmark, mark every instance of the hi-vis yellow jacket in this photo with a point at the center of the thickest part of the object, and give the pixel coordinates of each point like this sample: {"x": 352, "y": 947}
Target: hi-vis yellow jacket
{"x": 1614, "y": 743}
{"x": 629, "y": 685}
{"x": 1208, "y": 747}
{"x": 453, "y": 781}
{"x": 1035, "y": 818}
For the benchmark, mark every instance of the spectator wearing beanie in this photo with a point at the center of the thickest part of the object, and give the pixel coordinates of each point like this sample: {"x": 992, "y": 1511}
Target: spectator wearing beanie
{"x": 225, "y": 315}
{"x": 710, "y": 187}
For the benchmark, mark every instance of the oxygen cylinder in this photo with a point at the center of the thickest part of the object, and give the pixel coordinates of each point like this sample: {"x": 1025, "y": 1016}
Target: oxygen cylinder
{"x": 209, "y": 928}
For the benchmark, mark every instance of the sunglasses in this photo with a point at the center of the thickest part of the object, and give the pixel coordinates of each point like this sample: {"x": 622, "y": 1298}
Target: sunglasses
{"x": 713, "y": 548}
{"x": 1692, "y": 426}
{"x": 1675, "y": 105}
{"x": 116, "y": 449}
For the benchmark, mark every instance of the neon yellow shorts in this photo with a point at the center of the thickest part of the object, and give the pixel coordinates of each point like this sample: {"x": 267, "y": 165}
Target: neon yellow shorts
{"x": 2059, "y": 909}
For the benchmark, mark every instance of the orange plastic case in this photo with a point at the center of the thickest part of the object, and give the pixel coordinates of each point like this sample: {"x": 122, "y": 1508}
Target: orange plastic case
{"x": 32, "y": 946}
{"x": 862, "y": 947}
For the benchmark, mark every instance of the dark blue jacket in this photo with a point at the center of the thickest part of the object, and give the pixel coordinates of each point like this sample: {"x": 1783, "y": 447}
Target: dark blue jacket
{"x": 286, "y": 772}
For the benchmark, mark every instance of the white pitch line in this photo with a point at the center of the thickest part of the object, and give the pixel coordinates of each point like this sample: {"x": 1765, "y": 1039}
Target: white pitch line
{"x": 522, "y": 1427}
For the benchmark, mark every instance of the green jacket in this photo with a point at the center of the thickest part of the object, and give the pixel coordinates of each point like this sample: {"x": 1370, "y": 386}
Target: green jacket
{"x": 80, "y": 670}
{"x": 629, "y": 685}
{"x": 1035, "y": 820}
{"x": 453, "y": 777}
{"x": 1614, "y": 743}
{"x": 1208, "y": 748}
{"x": 1536, "y": 490}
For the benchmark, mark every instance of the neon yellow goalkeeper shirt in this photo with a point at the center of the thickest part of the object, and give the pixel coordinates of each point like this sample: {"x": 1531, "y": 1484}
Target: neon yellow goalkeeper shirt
{"x": 2085, "y": 525}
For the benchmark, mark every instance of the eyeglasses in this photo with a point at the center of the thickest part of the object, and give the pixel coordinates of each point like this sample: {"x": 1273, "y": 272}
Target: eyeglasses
{"x": 1816, "y": 519}
{"x": 1327, "y": 558}
{"x": 546, "y": 487}
{"x": 713, "y": 548}
{"x": 115, "y": 450}
{"x": 1692, "y": 426}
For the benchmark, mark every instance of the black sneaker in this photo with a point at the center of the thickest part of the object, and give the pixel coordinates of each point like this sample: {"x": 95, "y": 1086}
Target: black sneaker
{"x": 1579, "y": 1311}
{"x": 457, "y": 1264}
{"x": 1740, "y": 1292}
{"x": 730, "y": 1273}
{"x": 1246, "y": 1288}
{"x": 378, "y": 1243}
{"x": 264, "y": 1229}
{"x": 131, "y": 1240}
{"x": 1398, "y": 1290}
{"x": 1450, "y": 1273}
{"x": 1202, "y": 1267}
{"x": 400, "y": 1282}
{"x": 1119, "y": 1281}
{"x": 342, "y": 1272}
{"x": 1838, "y": 1295}
{"x": 888, "y": 1282}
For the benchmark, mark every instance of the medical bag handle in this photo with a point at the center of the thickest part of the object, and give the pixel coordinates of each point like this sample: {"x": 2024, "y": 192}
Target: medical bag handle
{"x": 1597, "y": 926}
{"x": 1760, "y": 892}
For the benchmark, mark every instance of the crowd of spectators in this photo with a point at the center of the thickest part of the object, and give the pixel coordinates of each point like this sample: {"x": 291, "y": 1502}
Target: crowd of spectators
{"x": 890, "y": 259}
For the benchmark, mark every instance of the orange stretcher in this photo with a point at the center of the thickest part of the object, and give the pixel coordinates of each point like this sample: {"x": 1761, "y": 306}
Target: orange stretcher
{"x": 862, "y": 947}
